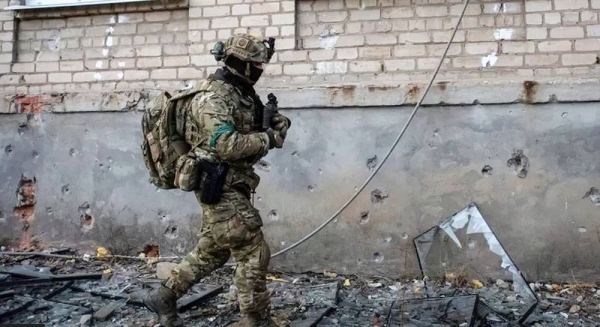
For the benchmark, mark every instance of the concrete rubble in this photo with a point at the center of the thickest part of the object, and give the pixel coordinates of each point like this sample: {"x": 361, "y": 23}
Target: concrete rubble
{"x": 108, "y": 293}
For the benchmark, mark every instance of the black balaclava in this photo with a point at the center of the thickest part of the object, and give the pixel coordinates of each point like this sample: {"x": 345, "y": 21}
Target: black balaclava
{"x": 247, "y": 69}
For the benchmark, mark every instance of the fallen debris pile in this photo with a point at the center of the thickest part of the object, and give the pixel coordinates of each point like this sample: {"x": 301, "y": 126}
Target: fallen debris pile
{"x": 102, "y": 293}
{"x": 468, "y": 281}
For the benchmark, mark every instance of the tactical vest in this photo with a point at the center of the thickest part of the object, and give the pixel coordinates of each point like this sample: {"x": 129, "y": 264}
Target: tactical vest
{"x": 239, "y": 106}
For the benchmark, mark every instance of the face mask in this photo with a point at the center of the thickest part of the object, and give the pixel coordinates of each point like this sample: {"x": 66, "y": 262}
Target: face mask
{"x": 241, "y": 68}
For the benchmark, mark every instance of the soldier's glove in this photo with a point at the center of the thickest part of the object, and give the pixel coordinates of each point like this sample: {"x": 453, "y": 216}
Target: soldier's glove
{"x": 280, "y": 123}
{"x": 275, "y": 139}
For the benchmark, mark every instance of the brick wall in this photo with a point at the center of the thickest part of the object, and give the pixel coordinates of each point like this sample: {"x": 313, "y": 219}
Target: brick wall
{"x": 324, "y": 43}
{"x": 372, "y": 40}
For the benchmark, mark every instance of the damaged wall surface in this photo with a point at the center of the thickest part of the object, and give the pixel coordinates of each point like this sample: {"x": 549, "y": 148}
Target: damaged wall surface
{"x": 532, "y": 169}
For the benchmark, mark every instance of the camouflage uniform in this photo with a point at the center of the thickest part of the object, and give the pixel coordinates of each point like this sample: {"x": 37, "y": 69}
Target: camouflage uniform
{"x": 231, "y": 227}
{"x": 220, "y": 119}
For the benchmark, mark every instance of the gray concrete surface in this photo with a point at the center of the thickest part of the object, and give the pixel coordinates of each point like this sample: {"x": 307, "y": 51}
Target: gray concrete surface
{"x": 544, "y": 222}
{"x": 380, "y": 92}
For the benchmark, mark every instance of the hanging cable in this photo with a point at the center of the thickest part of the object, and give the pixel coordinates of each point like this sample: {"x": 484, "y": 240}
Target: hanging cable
{"x": 387, "y": 155}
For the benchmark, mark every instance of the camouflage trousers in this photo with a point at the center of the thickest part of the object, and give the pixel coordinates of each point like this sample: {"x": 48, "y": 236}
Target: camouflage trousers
{"x": 231, "y": 227}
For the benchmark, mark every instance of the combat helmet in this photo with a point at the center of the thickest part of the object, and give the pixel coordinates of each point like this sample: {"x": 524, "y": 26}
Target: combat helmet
{"x": 241, "y": 51}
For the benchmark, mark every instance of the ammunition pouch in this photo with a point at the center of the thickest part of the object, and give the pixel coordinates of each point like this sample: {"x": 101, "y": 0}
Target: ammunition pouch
{"x": 188, "y": 173}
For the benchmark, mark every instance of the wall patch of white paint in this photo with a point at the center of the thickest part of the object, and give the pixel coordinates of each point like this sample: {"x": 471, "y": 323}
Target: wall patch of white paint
{"x": 99, "y": 64}
{"x": 105, "y": 52}
{"x": 110, "y": 30}
{"x": 109, "y": 41}
{"x": 489, "y": 60}
{"x": 121, "y": 64}
{"x": 504, "y": 34}
{"x": 120, "y": 75}
{"x": 335, "y": 67}
{"x": 98, "y": 76}
{"x": 328, "y": 42}
{"x": 54, "y": 42}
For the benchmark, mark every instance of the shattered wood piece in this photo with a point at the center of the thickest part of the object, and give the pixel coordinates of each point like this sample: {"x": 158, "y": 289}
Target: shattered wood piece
{"x": 131, "y": 300}
{"x": 41, "y": 254}
{"x": 189, "y": 301}
{"x": 106, "y": 311}
{"x": 85, "y": 320}
{"x": 329, "y": 293}
{"x": 23, "y": 272}
{"x": 6, "y": 294}
{"x": 31, "y": 256}
{"x": 11, "y": 312}
{"x": 58, "y": 290}
{"x": 312, "y": 320}
{"x": 51, "y": 279}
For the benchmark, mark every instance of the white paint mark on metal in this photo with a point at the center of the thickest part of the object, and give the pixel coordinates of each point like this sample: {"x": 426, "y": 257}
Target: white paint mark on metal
{"x": 109, "y": 41}
{"x": 336, "y": 67}
{"x": 504, "y": 33}
{"x": 489, "y": 60}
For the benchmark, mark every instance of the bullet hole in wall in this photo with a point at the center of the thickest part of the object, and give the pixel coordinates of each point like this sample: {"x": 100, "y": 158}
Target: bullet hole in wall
{"x": 163, "y": 217}
{"x": 8, "y": 149}
{"x": 519, "y": 163}
{"x": 594, "y": 195}
{"x": 273, "y": 215}
{"x": 487, "y": 170}
{"x": 365, "y": 216}
{"x": 378, "y": 257}
{"x": 263, "y": 165}
{"x": 171, "y": 232}
{"x": 65, "y": 189}
{"x": 372, "y": 163}
{"x": 378, "y": 196}
{"x": 2, "y": 217}
{"x": 295, "y": 154}
{"x": 564, "y": 115}
{"x": 311, "y": 188}
{"x": 85, "y": 217}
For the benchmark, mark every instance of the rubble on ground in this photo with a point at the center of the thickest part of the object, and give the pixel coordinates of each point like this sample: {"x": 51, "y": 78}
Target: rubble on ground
{"x": 108, "y": 292}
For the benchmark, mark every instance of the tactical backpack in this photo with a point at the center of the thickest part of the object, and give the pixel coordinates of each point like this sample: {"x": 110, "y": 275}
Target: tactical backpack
{"x": 163, "y": 142}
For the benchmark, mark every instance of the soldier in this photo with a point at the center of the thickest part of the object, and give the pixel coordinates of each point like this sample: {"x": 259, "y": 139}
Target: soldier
{"x": 225, "y": 119}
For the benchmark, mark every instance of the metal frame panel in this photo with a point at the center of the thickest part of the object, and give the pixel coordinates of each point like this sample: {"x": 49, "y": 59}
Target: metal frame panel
{"x": 43, "y": 4}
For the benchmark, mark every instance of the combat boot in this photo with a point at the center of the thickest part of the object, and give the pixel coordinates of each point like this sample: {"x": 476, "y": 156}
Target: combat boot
{"x": 255, "y": 320}
{"x": 163, "y": 302}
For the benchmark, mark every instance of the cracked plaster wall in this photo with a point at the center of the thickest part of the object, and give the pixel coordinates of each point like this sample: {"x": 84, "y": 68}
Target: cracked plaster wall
{"x": 90, "y": 185}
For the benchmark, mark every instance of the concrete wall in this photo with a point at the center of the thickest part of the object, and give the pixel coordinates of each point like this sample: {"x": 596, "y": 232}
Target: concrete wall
{"x": 91, "y": 185}
{"x": 73, "y": 81}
